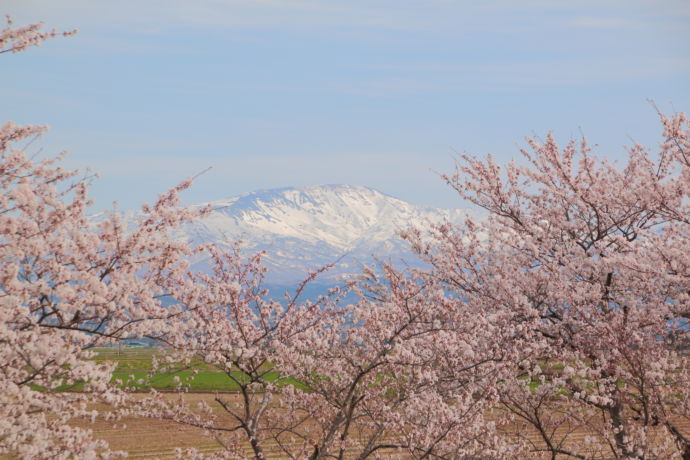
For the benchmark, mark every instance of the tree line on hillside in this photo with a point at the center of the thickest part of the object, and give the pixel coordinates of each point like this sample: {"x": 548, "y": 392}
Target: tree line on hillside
{"x": 565, "y": 309}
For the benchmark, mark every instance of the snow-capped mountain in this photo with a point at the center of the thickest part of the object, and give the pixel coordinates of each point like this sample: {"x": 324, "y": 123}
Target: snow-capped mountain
{"x": 304, "y": 228}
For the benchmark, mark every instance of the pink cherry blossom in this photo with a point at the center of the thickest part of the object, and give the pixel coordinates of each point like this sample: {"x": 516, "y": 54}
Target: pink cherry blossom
{"x": 585, "y": 266}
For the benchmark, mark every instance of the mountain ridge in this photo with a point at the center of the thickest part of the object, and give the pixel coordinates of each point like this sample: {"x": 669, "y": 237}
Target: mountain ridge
{"x": 305, "y": 228}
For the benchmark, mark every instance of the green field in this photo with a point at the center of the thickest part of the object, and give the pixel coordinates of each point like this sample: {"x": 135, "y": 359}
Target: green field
{"x": 134, "y": 366}
{"x": 134, "y": 371}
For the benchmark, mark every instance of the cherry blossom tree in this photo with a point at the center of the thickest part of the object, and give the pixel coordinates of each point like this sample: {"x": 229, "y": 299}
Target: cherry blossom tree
{"x": 586, "y": 263}
{"x": 406, "y": 370}
{"x": 228, "y": 324}
{"x": 67, "y": 285}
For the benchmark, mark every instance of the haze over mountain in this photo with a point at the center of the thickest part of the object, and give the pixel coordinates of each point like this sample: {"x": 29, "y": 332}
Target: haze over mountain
{"x": 305, "y": 228}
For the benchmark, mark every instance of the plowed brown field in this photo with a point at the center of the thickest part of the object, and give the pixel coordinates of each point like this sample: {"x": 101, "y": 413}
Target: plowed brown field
{"x": 148, "y": 438}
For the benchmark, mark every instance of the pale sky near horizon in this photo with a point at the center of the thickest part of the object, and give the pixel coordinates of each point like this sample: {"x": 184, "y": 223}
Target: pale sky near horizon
{"x": 300, "y": 92}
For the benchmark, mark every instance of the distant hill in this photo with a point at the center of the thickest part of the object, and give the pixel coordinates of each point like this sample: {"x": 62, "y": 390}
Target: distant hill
{"x": 304, "y": 228}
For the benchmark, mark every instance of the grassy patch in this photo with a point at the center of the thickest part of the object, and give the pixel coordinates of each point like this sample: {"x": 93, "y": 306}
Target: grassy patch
{"x": 134, "y": 366}
{"x": 201, "y": 381}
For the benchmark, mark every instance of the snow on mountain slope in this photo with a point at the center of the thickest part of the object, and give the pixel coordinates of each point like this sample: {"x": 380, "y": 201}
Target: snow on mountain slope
{"x": 304, "y": 228}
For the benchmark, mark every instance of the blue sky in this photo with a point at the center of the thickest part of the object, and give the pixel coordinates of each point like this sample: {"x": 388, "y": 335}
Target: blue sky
{"x": 300, "y": 92}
